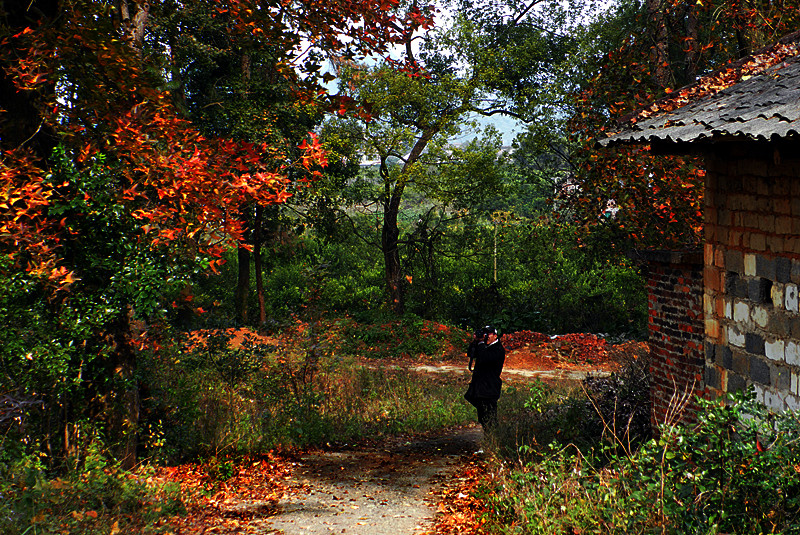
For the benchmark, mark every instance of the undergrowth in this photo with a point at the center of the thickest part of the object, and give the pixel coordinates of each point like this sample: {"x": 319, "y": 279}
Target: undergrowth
{"x": 215, "y": 402}
{"x": 93, "y": 496}
{"x": 584, "y": 461}
{"x": 224, "y": 399}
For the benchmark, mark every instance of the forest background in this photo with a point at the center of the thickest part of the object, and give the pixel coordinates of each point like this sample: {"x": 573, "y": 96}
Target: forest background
{"x": 173, "y": 166}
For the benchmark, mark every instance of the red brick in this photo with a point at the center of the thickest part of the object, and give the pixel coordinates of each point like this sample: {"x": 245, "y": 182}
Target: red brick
{"x": 751, "y": 220}
{"x": 783, "y": 225}
{"x": 735, "y": 239}
{"x": 708, "y": 253}
{"x": 712, "y": 328}
{"x": 766, "y": 223}
{"x": 719, "y": 258}
{"x": 764, "y": 205}
{"x": 720, "y": 306}
{"x": 792, "y": 244}
{"x": 781, "y": 189}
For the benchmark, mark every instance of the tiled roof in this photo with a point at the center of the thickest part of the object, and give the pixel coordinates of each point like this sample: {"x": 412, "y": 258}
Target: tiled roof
{"x": 764, "y": 105}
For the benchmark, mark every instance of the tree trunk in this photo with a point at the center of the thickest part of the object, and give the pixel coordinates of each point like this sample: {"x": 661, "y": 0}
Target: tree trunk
{"x": 259, "y": 268}
{"x": 125, "y": 416}
{"x": 243, "y": 285}
{"x": 390, "y": 245}
{"x": 743, "y": 47}
{"x": 390, "y": 233}
{"x": 661, "y": 72}
{"x": 692, "y": 43}
{"x": 133, "y": 20}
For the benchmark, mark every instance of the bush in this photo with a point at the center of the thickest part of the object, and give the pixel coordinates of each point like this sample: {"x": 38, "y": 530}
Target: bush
{"x": 94, "y": 497}
{"x": 409, "y": 336}
{"x": 613, "y": 410}
{"x": 735, "y": 472}
{"x": 546, "y": 281}
{"x": 222, "y": 398}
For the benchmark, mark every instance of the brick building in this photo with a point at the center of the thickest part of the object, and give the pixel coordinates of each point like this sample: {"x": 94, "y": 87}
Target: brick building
{"x": 728, "y": 317}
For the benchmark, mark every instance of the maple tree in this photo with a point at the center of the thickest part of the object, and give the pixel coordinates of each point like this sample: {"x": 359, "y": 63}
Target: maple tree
{"x": 113, "y": 198}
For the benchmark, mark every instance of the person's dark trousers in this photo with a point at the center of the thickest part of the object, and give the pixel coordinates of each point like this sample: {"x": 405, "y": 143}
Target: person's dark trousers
{"x": 487, "y": 412}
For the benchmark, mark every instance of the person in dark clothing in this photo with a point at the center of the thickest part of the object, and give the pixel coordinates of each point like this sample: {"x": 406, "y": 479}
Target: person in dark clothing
{"x": 484, "y": 388}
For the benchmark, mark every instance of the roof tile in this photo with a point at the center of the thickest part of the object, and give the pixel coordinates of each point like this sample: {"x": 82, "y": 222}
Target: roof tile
{"x": 761, "y": 106}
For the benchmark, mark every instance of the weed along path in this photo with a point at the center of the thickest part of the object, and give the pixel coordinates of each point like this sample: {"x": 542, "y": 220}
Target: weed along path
{"x": 374, "y": 490}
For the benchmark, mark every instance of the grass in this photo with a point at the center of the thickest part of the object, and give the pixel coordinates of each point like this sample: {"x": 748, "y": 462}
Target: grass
{"x": 256, "y": 396}
{"x": 94, "y": 496}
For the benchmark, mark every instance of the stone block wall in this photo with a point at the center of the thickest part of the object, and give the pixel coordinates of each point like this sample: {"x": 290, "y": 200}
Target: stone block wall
{"x": 676, "y": 334}
{"x": 752, "y": 273}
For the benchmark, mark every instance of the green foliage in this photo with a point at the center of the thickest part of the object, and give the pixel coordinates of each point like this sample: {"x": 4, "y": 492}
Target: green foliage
{"x": 202, "y": 400}
{"x": 547, "y": 281}
{"x": 550, "y": 278}
{"x": 94, "y": 497}
{"x": 410, "y": 336}
{"x": 734, "y": 472}
{"x": 613, "y": 411}
{"x": 60, "y": 356}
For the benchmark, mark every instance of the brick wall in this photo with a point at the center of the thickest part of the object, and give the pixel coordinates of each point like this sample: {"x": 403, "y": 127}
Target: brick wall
{"x": 752, "y": 272}
{"x": 676, "y": 334}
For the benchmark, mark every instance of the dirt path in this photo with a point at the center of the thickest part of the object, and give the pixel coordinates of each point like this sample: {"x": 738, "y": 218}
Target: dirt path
{"x": 377, "y": 490}
{"x": 381, "y": 489}
{"x": 511, "y": 373}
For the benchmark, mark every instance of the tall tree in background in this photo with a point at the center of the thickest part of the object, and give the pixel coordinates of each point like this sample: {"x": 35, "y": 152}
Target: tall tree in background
{"x": 530, "y": 56}
{"x": 410, "y": 120}
{"x": 233, "y": 84}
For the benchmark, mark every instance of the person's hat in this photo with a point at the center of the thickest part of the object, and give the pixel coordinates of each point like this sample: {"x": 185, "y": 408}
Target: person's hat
{"x": 489, "y": 330}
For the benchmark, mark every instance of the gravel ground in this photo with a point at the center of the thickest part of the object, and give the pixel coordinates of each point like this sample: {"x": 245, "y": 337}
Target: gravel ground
{"x": 379, "y": 490}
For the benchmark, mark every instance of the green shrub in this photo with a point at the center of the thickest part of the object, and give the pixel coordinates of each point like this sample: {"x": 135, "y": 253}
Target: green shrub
{"x": 548, "y": 279}
{"x": 203, "y": 401}
{"x": 94, "y": 497}
{"x": 736, "y": 471}
{"x": 613, "y": 410}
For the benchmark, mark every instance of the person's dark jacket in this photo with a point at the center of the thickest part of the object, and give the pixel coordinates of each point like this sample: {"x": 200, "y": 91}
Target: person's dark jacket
{"x": 473, "y": 347}
{"x": 486, "y": 382}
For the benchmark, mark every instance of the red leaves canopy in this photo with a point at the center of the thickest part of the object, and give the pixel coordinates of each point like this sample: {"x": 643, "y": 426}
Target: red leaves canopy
{"x": 96, "y": 90}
